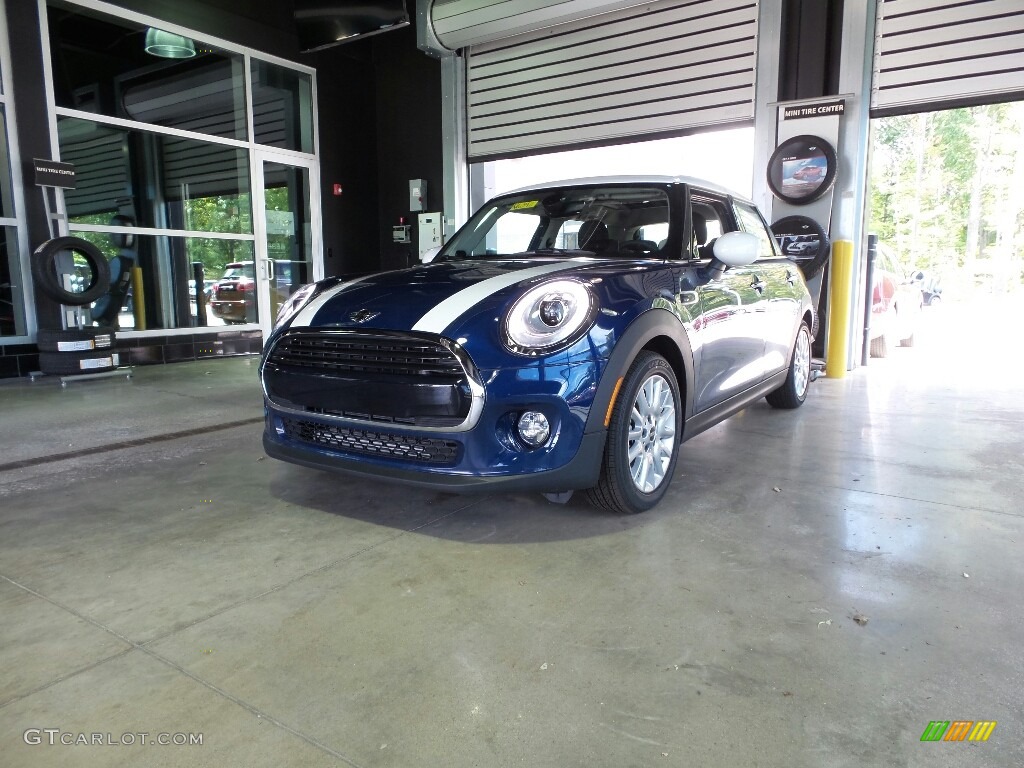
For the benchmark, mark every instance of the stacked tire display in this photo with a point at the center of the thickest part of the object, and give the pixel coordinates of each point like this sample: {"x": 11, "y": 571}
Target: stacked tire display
{"x": 74, "y": 350}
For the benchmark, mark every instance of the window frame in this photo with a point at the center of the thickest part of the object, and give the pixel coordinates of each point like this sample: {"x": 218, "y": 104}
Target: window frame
{"x": 256, "y": 152}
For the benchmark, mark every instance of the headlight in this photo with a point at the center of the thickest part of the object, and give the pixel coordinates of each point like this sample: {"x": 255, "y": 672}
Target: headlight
{"x": 294, "y": 303}
{"x": 548, "y": 316}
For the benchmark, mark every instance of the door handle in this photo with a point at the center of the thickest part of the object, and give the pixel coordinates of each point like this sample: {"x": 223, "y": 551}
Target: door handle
{"x": 270, "y": 269}
{"x": 758, "y": 285}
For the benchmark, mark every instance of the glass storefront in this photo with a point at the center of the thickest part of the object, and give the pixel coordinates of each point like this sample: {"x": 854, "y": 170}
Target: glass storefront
{"x": 163, "y": 141}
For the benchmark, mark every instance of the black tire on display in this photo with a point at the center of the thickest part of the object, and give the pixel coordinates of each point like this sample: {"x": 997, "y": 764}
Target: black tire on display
{"x": 642, "y": 448}
{"x": 793, "y": 391}
{"x": 75, "y": 339}
{"x": 804, "y": 226}
{"x": 44, "y": 270}
{"x": 66, "y": 363}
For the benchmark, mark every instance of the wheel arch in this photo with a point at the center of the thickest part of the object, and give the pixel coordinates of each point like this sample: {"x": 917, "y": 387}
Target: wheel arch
{"x": 656, "y": 330}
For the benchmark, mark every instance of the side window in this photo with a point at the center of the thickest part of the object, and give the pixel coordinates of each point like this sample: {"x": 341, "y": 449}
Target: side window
{"x": 751, "y": 221}
{"x": 710, "y": 219}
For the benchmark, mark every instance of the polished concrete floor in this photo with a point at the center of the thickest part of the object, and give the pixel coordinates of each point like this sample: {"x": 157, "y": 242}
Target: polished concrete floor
{"x": 816, "y": 588}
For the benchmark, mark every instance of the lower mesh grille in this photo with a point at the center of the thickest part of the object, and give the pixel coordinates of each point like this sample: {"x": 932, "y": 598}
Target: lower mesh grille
{"x": 425, "y": 450}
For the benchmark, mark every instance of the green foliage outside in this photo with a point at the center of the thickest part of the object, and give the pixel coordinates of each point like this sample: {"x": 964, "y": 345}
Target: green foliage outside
{"x": 947, "y": 194}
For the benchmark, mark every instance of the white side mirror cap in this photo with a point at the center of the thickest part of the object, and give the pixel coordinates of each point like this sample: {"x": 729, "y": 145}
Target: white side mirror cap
{"x": 429, "y": 254}
{"x": 737, "y": 249}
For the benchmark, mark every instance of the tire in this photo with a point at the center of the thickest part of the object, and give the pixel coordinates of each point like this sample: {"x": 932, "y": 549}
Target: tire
{"x": 804, "y": 225}
{"x": 44, "y": 270}
{"x": 75, "y": 340}
{"x": 647, "y": 417}
{"x": 67, "y": 363}
{"x": 793, "y": 391}
{"x": 880, "y": 346}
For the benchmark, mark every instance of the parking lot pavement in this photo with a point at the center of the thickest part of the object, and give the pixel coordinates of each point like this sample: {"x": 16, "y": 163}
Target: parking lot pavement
{"x": 814, "y": 590}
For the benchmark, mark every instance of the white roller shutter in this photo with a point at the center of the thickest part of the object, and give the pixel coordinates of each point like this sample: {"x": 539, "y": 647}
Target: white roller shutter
{"x": 460, "y": 23}
{"x": 932, "y": 54}
{"x": 659, "y": 68}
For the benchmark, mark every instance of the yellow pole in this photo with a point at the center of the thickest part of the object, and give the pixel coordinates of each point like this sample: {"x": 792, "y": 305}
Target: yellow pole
{"x": 840, "y": 298}
{"x": 138, "y": 299}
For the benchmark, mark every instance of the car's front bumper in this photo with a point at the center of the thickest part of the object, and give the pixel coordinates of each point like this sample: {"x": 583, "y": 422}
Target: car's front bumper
{"x": 478, "y": 454}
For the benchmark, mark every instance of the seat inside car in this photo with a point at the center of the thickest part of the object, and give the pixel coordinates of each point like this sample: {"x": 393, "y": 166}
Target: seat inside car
{"x": 593, "y": 236}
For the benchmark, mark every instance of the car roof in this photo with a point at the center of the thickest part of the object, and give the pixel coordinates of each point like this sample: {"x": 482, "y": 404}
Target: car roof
{"x": 639, "y": 179}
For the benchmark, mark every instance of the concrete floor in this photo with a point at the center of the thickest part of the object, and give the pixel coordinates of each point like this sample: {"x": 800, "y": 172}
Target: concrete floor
{"x": 177, "y": 581}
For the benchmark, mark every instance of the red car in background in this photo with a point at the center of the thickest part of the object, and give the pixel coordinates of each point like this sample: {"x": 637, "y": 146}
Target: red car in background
{"x": 896, "y": 304}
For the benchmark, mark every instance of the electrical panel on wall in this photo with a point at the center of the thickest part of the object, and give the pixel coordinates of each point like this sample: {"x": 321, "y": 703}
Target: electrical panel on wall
{"x": 417, "y": 195}
{"x": 429, "y": 229}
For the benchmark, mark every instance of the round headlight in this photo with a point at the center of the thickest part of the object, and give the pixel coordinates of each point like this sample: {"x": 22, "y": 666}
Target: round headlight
{"x": 549, "y": 315}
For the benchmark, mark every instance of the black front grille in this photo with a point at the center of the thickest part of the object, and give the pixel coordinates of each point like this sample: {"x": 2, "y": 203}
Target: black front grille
{"x": 359, "y": 353}
{"x": 423, "y": 450}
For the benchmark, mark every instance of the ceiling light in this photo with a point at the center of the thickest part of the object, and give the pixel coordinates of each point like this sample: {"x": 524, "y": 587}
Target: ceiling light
{"x": 168, "y": 45}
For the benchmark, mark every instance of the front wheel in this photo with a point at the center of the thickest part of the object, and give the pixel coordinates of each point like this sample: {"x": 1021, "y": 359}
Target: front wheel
{"x": 643, "y": 438}
{"x": 793, "y": 391}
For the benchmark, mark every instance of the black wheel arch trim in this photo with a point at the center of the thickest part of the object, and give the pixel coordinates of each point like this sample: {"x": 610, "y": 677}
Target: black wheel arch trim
{"x": 650, "y": 325}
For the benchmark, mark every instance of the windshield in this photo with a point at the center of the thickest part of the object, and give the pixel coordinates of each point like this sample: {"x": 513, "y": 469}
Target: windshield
{"x": 248, "y": 269}
{"x": 601, "y": 221}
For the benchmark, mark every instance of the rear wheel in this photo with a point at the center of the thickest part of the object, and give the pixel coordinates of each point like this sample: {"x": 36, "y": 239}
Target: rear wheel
{"x": 793, "y": 391}
{"x": 643, "y": 439}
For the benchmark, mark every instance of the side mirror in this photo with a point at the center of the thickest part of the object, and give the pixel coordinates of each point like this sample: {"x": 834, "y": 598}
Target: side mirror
{"x": 733, "y": 249}
{"x": 737, "y": 249}
{"x": 429, "y": 254}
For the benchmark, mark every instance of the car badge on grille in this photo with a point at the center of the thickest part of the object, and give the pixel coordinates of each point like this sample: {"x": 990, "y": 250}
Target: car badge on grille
{"x": 363, "y": 316}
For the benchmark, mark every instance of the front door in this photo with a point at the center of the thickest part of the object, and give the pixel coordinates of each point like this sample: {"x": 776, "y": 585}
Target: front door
{"x": 287, "y": 214}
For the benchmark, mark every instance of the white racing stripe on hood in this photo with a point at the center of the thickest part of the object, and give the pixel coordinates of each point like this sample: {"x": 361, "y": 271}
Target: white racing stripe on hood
{"x": 308, "y": 312}
{"x": 445, "y": 313}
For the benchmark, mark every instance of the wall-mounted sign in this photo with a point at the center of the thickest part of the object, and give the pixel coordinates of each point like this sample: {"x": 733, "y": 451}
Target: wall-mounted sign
{"x": 802, "y": 169}
{"x": 52, "y": 174}
{"x": 820, "y": 109}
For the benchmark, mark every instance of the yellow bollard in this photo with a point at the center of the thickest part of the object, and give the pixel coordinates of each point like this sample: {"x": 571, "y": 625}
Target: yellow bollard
{"x": 138, "y": 299}
{"x": 840, "y": 298}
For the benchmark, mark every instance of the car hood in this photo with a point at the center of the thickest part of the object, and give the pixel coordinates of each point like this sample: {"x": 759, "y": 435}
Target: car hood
{"x": 430, "y": 298}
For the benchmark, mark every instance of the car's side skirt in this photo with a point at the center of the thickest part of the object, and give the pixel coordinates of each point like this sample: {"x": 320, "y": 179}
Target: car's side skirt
{"x": 706, "y": 419}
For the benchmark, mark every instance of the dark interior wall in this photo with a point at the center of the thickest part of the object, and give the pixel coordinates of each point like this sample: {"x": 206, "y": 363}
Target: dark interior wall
{"x": 347, "y": 106}
{"x": 408, "y": 87}
{"x": 811, "y": 42}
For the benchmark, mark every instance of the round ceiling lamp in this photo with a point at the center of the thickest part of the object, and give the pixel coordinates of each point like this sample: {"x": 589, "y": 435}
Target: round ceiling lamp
{"x": 168, "y": 45}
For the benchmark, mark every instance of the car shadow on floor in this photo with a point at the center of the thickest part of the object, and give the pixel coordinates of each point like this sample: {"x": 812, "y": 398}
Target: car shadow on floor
{"x": 483, "y": 518}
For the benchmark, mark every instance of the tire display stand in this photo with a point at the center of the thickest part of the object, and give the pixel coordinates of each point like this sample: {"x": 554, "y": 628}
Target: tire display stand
{"x": 76, "y": 353}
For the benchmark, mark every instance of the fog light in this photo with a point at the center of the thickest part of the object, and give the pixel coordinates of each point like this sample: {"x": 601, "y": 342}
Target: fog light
{"x": 279, "y": 426}
{"x": 534, "y": 428}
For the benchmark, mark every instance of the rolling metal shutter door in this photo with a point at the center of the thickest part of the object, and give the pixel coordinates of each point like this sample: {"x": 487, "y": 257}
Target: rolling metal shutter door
{"x": 659, "y": 68}
{"x": 931, "y": 54}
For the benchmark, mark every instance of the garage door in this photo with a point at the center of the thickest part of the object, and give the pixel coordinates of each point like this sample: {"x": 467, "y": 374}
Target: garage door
{"x": 931, "y": 54}
{"x": 660, "y": 68}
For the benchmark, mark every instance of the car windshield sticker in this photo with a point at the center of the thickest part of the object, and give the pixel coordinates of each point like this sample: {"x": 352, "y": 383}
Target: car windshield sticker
{"x": 449, "y": 310}
{"x": 524, "y": 205}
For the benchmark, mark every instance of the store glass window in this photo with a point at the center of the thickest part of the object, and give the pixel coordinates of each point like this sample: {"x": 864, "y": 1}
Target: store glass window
{"x": 181, "y": 279}
{"x": 189, "y": 185}
{"x": 114, "y": 68}
{"x": 12, "y": 287}
{"x": 282, "y": 105}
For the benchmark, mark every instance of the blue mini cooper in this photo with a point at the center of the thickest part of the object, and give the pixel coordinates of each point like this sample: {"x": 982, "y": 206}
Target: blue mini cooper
{"x": 568, "y": 337}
